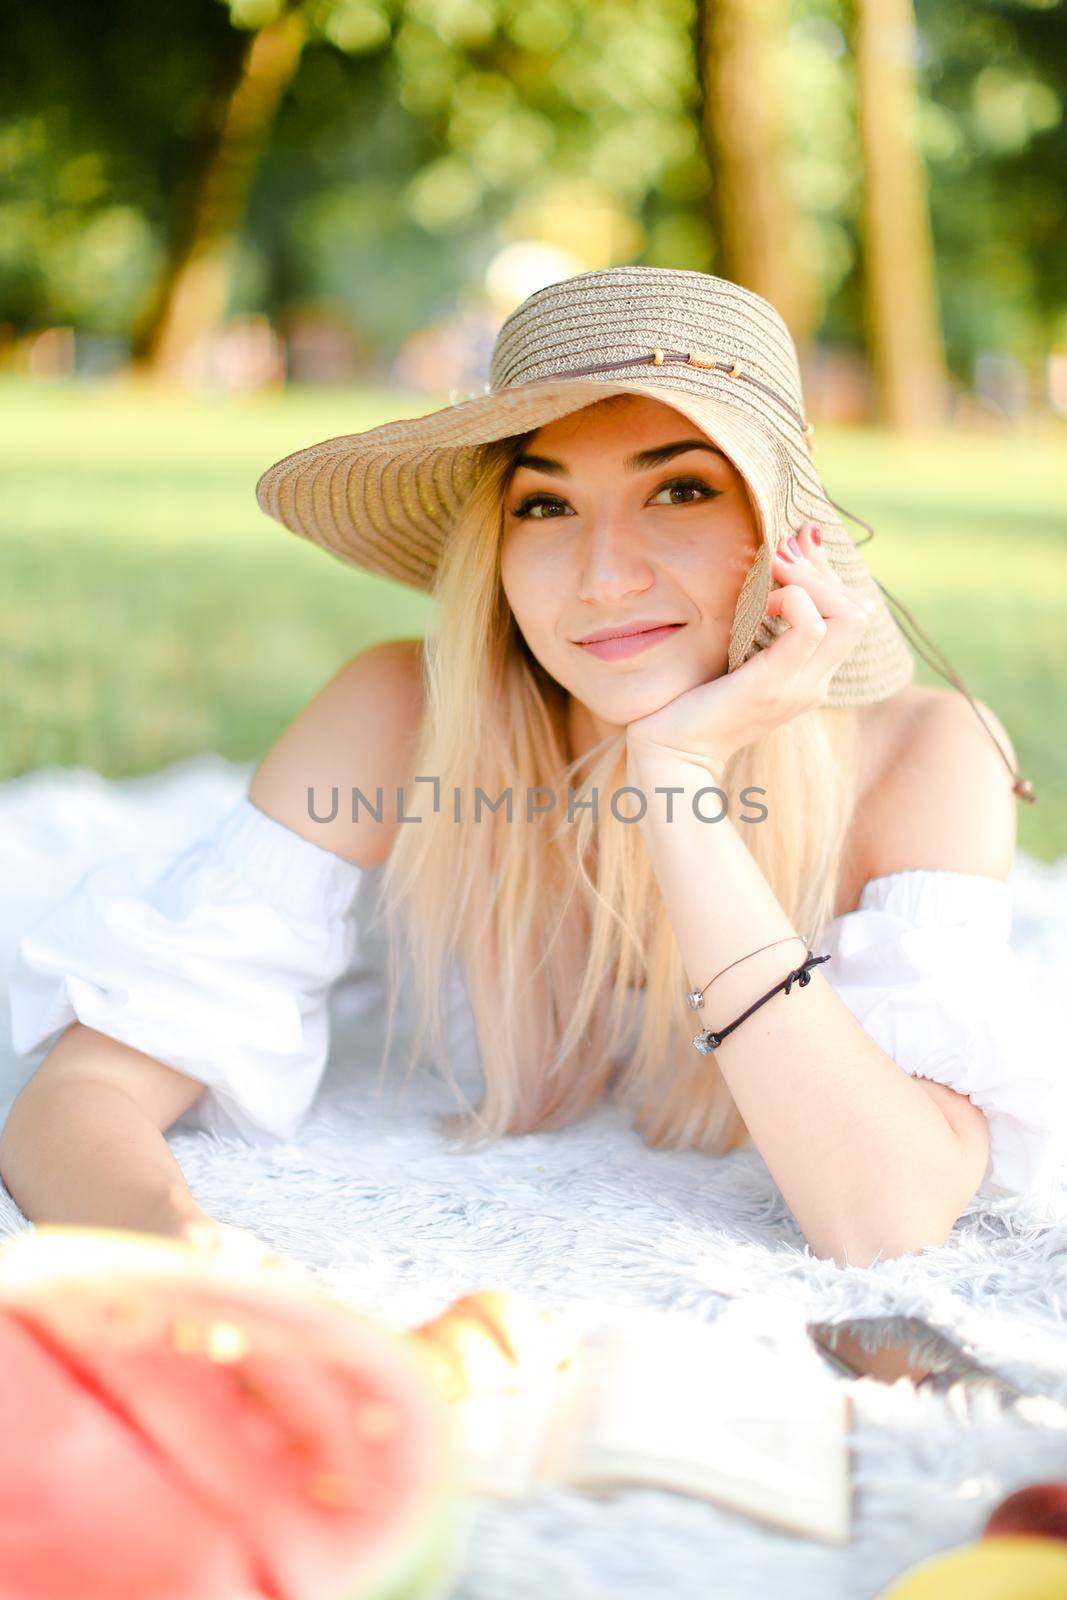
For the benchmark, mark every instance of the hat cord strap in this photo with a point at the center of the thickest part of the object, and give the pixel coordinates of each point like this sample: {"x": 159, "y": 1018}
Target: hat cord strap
{"x": 1021, "y": 786}
{"x": 693, "y": 358}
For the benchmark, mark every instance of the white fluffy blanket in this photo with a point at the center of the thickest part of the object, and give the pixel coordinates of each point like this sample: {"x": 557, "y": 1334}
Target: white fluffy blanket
{"x": 375, "y": 1199}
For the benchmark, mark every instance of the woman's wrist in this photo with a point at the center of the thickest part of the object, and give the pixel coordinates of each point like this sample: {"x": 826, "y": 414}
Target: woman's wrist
{"x": 646, "y": 760}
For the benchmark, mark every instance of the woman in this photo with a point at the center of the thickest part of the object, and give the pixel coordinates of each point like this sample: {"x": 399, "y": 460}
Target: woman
{"x": 759, "y": 775}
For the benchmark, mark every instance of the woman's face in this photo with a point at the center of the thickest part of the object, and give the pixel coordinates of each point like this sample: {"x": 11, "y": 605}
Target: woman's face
{"x": 618, "y": 514}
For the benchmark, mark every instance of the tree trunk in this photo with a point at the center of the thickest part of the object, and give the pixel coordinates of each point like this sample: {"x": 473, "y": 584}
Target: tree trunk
{"x": 900, "y": 287}
{"x": 760, "y": 234}
{"x": 194, "y": 294}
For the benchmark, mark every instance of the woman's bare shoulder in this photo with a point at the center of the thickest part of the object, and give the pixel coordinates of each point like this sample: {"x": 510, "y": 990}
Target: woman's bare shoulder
{"x": 355, "y": 733}
{"x": 887, "y": 726}
{"x": 900, "y": 731}
{"x": 937, "y": 794}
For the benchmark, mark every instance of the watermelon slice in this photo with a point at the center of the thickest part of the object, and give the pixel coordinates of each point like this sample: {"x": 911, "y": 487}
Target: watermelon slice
{"x": 178, "y": 1429}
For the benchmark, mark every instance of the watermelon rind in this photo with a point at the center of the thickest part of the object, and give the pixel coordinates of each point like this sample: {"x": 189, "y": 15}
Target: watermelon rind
{"x": 431, "y": 1569}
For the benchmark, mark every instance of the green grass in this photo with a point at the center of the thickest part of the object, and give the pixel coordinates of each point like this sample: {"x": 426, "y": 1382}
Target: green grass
{"x": 151, "y": 611}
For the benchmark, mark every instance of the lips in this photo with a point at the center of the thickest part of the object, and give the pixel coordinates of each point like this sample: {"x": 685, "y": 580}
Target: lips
{"x": 620, "y": 646}
{"x": 625, "y": 631}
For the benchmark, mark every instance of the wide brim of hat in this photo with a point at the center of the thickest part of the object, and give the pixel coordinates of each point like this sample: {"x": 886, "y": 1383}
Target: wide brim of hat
{"x": 386, "y": 499}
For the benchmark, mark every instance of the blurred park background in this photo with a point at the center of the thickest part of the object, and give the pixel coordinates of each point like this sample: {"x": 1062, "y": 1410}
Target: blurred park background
{"x": 228, "y": 230}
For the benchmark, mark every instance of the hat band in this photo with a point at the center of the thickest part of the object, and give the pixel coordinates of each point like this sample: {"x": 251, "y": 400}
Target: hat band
{"x": 693, "y": 358}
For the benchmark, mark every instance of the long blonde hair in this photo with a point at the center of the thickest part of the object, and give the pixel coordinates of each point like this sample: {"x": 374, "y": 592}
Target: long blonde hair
{"x": 549, "y": 923}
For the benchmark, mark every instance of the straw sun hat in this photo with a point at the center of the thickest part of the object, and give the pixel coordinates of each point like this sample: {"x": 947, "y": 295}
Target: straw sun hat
{"x": 385, "y": 500}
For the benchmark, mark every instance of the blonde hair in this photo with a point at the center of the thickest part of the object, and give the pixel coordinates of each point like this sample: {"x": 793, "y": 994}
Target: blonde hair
{"x": 550, "y": 923}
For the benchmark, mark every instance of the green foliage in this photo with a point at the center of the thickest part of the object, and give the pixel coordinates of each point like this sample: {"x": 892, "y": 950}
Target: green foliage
{"x": 104, "y": 113}
{"x": 421, "y": 135}
{"x": 995, "y": 84}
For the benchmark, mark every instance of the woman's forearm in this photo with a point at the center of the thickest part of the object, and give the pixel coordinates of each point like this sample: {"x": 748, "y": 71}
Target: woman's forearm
{"x": 81, "y": 1151}
{"x": 863, "y": 1157}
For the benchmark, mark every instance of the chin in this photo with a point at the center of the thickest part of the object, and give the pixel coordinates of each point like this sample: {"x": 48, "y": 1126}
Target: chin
{"x": 633, "y": 700}
{"x": 630, "y": 689}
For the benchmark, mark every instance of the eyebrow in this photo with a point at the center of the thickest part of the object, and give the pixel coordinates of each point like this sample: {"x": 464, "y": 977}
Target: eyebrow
{"x": 635, "y": 463}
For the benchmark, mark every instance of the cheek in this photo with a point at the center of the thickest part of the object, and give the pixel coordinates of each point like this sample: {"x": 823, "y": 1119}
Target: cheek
{"x": 720, "y": 571}
{"x": 513, "y": 573}
{"x": 711, "y": 572}
{"x": 526, "y": 576}
{"x": 738, "y": 564}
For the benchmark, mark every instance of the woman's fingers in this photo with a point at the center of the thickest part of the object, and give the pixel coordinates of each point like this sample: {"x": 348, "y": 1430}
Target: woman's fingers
{"x": 792, "y": 656}
{"x": 844, "y": 615}
{"x": 808, "y": 565}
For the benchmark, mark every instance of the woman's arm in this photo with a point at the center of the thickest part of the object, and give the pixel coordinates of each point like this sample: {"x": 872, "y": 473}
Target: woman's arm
{"x": 84, "y": 1144}
{"x": 84, "y": 1141}
{"x": 865, "y": 1159}
{"x": 869, "y": 1159}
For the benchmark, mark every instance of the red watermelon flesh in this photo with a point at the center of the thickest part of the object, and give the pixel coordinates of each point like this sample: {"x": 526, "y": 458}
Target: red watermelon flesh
{"x": 306, "y": 1459}
{"x": 306, "y": 1434}
{"x": 62, "y": 1499}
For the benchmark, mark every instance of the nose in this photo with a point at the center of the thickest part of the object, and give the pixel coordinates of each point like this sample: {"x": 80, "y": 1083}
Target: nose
{"x": 612, "y": 561}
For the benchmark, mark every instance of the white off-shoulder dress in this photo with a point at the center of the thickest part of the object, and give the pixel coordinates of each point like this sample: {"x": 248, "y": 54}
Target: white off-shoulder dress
{"x": 220, "y": 958}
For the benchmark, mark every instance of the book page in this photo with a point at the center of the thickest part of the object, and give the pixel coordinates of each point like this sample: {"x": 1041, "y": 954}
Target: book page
{"x": 502, "y": 1435}
{"x": 667, "y": 1400}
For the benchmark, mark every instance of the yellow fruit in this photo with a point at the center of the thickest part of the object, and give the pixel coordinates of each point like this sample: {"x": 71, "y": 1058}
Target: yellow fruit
{"x": 491, "y": 1341}
{"x": 1010, "y": 1567}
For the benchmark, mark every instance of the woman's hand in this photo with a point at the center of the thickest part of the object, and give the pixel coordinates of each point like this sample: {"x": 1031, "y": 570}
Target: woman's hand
{"x": 229, "y": 1245}
{"x": 707, "y": 724}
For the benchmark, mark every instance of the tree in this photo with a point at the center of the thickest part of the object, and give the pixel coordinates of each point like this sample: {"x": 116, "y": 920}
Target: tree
{"x": 760, "y": 235}
{"x": 194, "y": 290}
{"x": 900, "y": 292}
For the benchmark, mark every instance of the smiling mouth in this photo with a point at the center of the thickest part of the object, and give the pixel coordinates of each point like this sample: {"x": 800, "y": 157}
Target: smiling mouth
{"x": 624, "y": 632}
{"x": 620, "y": 645}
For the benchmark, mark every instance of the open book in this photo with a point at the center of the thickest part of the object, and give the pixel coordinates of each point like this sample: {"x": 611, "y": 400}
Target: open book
{"x": 741, "y": 1412}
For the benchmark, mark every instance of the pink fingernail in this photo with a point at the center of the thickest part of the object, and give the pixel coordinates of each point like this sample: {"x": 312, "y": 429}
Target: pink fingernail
{"x": 794, "y": 546}
{"x": 816, "y": 536}
{"x": 785, "y": 553}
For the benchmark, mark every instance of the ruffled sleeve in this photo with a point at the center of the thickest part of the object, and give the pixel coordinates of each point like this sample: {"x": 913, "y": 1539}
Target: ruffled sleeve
{"x": 217, "y": 959}
{"x": 925, "y": 965}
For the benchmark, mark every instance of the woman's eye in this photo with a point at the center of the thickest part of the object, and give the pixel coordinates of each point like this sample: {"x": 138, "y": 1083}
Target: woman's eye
{"x": 534, "y": 502}
{"x": 547, "y": 505}
{"x": 684, "y": 485}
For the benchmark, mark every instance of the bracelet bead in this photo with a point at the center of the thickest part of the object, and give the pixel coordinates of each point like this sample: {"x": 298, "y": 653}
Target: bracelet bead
{"x": 709, "y": 1040}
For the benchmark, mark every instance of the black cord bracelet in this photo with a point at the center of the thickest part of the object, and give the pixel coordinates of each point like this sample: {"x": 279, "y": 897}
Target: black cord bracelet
{"x": 708, "y": 1041}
